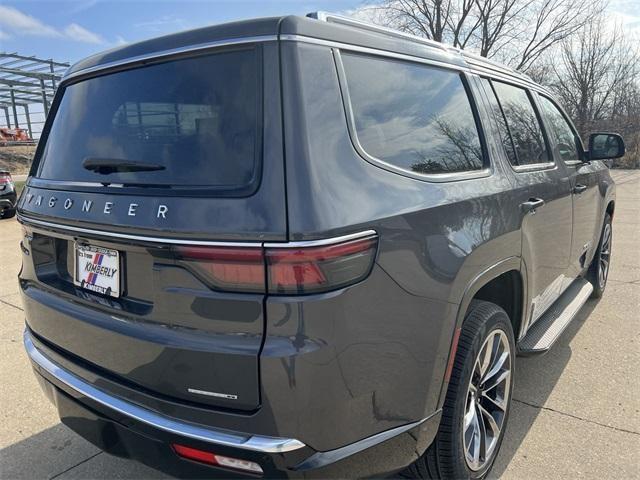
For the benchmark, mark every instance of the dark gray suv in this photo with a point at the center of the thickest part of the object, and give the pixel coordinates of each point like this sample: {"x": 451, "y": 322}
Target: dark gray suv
{"x": 304, "y": 247}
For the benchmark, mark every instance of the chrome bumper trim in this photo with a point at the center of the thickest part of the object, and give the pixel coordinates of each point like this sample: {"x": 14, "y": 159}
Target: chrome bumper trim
{"x": 255, "y": 443}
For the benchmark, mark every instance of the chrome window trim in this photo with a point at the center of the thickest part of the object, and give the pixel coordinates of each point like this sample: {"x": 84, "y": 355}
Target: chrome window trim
{"x": 256, "y": 443}
{"x": 533, "y": 167}
{"x": 425, "y": 177}
{"x": 468, "y": 66}
{"x": 373, "y": 51}
{"x": 167, "y": 53}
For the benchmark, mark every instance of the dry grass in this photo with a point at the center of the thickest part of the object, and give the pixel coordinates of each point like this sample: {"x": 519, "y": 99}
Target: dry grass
{"x": 17, "y": 159}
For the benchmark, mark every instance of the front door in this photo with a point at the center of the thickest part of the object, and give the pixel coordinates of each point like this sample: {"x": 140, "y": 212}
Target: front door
{"x": 584, "y": 184}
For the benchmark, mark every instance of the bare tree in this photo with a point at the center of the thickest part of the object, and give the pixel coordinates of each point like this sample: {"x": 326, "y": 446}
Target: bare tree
{"x": 515, "y": 31}
{"x": 596, "y": 80}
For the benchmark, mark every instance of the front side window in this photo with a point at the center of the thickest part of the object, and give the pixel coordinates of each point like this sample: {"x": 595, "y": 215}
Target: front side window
{"x": 182, "y": 123}
{"x": 524, "y": 126}
{"x": 415, "y": 117}
{"x": 562, "y": 137}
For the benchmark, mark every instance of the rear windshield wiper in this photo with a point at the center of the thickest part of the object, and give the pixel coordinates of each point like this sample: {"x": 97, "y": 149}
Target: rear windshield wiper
{"x": 106, "y": 166}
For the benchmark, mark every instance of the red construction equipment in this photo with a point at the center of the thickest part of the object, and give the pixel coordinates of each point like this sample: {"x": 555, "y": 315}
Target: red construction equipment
{"x": 13, "y": 135}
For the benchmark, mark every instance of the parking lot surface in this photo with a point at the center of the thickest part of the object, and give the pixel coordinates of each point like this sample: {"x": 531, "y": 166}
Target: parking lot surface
{"x": 575, "y": 414}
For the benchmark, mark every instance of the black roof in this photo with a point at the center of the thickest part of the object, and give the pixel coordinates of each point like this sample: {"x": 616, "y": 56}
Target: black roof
{"x": 336, "y": 29}
{"x": 288, "y": 25}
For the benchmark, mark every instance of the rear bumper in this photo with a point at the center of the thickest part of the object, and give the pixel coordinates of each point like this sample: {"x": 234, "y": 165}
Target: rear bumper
{"x": 125, "y": 429}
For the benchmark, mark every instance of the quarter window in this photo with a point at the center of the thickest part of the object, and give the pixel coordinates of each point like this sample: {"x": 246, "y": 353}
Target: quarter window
{"x": 524, "y": 126}
{"x": 562, "y": 137}
{"x": 414, "y": 117}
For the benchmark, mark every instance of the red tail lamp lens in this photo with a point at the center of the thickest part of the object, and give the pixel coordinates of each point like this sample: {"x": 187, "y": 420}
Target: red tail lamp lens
{"x": 317, "y": 269}
{"x": 5, "y": 178}
{"x": 214, "y": 459}
{"x": 288, "y": 270}
{"x": 228, "y": 268}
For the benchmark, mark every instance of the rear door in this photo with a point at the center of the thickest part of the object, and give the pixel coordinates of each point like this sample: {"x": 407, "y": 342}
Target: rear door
{"x": 542, "y": 190}
{"x": 152, "y": 193}
{"x": 584, "y": 184}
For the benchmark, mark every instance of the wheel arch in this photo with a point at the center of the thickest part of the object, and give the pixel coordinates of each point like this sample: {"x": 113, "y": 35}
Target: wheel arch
{"x": 490, "y": 285}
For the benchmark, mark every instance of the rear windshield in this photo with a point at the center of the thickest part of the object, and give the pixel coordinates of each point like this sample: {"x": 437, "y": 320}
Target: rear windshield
{"x": 191, "y": 122}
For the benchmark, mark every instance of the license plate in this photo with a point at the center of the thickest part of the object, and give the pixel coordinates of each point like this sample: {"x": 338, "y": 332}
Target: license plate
{"x": 98, "y": 269}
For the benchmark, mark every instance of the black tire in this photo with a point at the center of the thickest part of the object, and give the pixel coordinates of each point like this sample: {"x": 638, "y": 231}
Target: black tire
{"x": 8, "y": 213}
{"x": 445, "y": 458}
{"x": 596, "y": 274}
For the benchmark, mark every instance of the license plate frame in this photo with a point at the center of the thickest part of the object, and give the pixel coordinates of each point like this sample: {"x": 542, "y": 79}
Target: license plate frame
{"x": 97, "y": 269}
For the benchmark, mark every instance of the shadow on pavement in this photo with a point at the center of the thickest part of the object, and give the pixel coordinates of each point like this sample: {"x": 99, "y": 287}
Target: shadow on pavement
{"x": 40, "y": 456}
{"x": 58, "y": 452}
{"x": 535, "y": 379}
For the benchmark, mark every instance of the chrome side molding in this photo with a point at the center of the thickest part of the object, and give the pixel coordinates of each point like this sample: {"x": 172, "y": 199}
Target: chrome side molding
{"x": 256, "y": 443}
{"x": 205, "y": 243}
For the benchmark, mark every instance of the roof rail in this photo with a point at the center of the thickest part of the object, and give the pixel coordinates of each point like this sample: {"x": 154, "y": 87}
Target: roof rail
{"x": 372, "y": 27}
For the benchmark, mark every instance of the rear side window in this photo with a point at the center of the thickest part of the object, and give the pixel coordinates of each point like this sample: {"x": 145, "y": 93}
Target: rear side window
{"x": 523, "y": 123}
{"x": 414, "y": 117}
{"x": 503, "y": 128}
{"x": 196, "y": 121}
{"x": 561, "y": 135}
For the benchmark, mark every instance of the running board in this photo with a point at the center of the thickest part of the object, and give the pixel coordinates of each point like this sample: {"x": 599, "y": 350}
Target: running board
{"x": 544, "y": 333}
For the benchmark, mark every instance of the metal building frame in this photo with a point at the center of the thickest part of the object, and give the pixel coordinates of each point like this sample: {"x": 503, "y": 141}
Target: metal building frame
{"x": 26, "y": 81}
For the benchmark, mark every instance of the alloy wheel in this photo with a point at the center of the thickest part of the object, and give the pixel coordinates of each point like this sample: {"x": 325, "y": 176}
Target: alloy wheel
{"x": 487, "y": 400}
{"x": 605, "y": 256}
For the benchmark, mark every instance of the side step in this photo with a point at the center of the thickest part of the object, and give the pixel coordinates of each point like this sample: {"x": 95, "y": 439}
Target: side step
{"x": 543, "y": 334}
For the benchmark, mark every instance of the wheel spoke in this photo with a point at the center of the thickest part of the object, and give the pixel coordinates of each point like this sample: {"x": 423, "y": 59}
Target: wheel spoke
{"x": 482, "y": 448}
{"x": 475, "y": 444}
{"x": 496, "y": 367}
{"x": 498, "y": 402}
{"x": 503, "y": 377}
{"x": 469, "y": 416}
{"x": 485, "y": 357}
{"x": 495, "y": 430}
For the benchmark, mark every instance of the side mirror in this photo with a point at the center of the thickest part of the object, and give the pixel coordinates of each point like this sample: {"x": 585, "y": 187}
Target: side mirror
{"x": 603, "y": 146}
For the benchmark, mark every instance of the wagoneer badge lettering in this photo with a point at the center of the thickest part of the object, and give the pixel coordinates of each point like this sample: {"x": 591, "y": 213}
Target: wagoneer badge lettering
{"x": 87, "y": 205}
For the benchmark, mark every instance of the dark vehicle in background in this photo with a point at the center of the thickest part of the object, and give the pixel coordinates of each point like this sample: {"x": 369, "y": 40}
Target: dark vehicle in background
{"x": 304, "y": 247}
{"x": 8, "y": 196}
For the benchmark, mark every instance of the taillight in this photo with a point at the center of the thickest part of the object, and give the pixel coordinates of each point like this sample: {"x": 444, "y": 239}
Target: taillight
{"x": 286, "y": 270}
{"x": 319, "y": 269}
{"x": 5, "y": 178}
{"x": 211, "y": 458}
{"x": 228, "y": 268}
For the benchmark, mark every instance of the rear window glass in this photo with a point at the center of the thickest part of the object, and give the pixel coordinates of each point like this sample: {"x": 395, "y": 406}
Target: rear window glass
{"x": 412, "y": 116}
{"x": 191, "y": 122}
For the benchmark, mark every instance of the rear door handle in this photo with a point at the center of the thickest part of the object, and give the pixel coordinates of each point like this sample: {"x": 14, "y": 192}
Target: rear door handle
{"x": 531, "y": 205}
{"x": 578, "y": 189}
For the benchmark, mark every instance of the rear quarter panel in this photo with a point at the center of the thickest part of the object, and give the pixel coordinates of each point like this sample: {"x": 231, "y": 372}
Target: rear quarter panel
{"x": 372, "y": 356}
